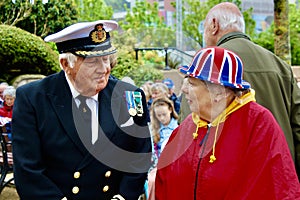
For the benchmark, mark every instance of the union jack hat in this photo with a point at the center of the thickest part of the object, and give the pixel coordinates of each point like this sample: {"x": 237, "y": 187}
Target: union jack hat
{"x": 217, "y": 65}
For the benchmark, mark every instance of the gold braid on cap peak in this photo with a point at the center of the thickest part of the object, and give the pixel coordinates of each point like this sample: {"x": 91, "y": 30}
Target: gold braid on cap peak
{"x": 91, "y": 53}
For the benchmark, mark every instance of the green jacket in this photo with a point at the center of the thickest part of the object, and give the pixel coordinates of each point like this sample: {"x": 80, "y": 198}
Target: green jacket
{"x": 274, "y": 83}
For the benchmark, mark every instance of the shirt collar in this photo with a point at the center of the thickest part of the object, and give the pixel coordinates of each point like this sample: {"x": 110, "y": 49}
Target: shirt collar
{"x": 172, "y": 125}
{"x": 232, "y": 35}
{"x": 75, "y": 93}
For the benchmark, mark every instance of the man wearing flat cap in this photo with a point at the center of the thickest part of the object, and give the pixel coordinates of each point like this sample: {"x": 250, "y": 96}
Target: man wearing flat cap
{"x": 79, "y": 134}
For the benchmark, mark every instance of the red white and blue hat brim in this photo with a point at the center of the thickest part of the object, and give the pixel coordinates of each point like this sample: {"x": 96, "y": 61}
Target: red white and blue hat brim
{"x": 218, "y": 66}
{"x": 186, "y": 70}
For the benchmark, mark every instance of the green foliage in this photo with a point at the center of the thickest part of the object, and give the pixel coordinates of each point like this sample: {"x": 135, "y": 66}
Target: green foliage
{"x": 118, "y": 5}
{"x": 173, "y": 62}
{"x": 294, "y": 21}
{"x": 146, "y": 26}
{"x": 152, "y": 59}
{"x": 143, "y": 73}
{"x": 142, "y": 27}
{"x": 249, "y": 22}
{"x": 128, "y": 66}
{"x": 38, "y": 18}
{"x": 192, "y": 17}
{"x": 266, "y": 38}
{"x": 24, "y": 53}
{"x": 143, "y": 15}
{"x": 92, "y": 10}
{"x": 11, "y": 13}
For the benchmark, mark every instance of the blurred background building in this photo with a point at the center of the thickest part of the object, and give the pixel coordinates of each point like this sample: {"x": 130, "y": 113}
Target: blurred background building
{"x": 262, "y": 11}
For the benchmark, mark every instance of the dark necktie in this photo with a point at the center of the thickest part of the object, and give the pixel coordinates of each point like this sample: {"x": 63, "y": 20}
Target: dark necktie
{"x": 83, "y": 107}
{"x": 86, "y": 114}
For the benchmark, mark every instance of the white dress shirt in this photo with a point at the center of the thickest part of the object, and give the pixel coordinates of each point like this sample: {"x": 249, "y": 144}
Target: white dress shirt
{"x": 92, "y": 103}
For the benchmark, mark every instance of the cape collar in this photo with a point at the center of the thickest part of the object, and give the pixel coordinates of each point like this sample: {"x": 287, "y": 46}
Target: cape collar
{"x": 237, "y": 103}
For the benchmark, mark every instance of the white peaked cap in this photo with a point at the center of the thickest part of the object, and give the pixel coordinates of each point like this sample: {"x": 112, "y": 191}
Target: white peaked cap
{"x": 78, "y": 38}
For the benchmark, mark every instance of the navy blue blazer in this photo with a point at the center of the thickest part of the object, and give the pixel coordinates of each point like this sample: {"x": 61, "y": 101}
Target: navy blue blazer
{"x": 51, "y": 162}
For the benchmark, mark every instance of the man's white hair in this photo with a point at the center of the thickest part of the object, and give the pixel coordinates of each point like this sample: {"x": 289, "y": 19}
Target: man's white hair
{"x": 227, "y": 19}
{"x": 71, "y": 58}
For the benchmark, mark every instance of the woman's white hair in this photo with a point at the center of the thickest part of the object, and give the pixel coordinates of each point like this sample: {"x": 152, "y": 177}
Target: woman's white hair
{"x": 71, "y": 58}
{"x": 10, "y": 91}
{"x": 227, "y": 19}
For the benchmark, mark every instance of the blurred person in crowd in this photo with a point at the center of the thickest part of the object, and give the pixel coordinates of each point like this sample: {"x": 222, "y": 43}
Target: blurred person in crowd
{"x": 146, "y": 87}
{"x": 184, "y": 106}
{"x": 272, "y": 78}
{"x": 3, "y": 85}
{"x": 9, "y": 96}
{"x": 230, "y": 147}
{"x": 157, "y": 90}
{"x": 127, "y": 79}
{"x": 80, "y": 134}
{"x": 171, "y": 87}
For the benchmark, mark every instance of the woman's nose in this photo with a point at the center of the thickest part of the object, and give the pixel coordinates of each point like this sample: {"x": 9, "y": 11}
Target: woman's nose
{"x": 185, "y": 89}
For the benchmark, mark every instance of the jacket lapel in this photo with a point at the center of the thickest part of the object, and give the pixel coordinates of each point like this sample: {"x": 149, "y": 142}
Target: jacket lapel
{"x": 62, "y": 101}
{"x": 108, "y": 115}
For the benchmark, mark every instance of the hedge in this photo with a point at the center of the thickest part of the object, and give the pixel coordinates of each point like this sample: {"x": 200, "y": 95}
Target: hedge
{"x": 24, "y": 53}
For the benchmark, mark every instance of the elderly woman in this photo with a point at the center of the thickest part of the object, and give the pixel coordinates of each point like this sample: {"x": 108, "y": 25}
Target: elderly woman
{"x": 230, "y": 147}
{"x": 9, "y": 95}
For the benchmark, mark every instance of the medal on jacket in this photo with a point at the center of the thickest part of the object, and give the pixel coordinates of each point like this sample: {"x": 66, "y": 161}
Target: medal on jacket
{"x": 137, "y": 96}
{"x": 134, "y": 103}
{"x": 130, "y": 103}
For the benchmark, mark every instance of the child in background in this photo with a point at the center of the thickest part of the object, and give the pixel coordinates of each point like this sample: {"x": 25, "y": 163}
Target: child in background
{"x": 163, "y": 122}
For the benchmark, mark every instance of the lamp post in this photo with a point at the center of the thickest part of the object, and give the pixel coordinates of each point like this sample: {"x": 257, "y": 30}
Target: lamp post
{"x": 166, "y": 56}
{"x": 136, "y": 49}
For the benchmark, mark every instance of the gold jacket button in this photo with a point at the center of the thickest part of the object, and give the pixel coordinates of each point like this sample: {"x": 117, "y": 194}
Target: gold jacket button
{"x": 107, "y": 174}
{"x": 75, "y": 190}
{"x": 76, "y": 174}
{"x": 105, "y": 188}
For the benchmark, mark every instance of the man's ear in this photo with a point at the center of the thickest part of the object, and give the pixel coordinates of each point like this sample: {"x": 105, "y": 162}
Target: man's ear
{"x": 215, "y": 26}
{"x": 64, "y": 63}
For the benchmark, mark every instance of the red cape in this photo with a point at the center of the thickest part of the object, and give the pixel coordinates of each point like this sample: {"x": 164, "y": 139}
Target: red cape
{"x": 252, "y": 161}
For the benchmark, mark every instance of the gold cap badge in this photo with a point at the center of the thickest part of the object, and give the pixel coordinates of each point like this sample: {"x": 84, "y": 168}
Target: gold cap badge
{"x": 98, "y": 34}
